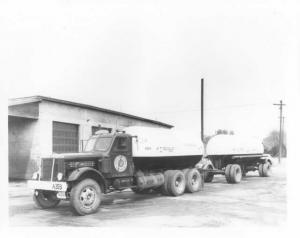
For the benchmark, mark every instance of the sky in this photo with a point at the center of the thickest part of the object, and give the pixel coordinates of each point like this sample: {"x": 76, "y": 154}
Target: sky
{"x": 147, "y": 58}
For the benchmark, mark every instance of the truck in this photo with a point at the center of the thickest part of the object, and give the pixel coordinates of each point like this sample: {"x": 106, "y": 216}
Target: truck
{"x": 234, "y": 156}
{"x": 137, "y": 158}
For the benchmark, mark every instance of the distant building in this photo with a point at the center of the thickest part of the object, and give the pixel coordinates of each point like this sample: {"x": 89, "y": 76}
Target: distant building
{"x": 39, "y": 126}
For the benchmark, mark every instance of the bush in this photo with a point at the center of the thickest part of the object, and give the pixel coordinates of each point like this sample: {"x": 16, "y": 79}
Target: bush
{"x": 271, "y": 144}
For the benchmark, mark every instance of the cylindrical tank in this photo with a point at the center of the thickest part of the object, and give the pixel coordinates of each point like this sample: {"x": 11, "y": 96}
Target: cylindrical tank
{"x": 158, "y": 148}
{"x": 158, "y": 142}
{"x": 233, "y": 145}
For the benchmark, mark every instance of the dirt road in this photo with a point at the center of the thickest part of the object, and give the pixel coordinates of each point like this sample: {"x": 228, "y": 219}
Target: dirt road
{"x": 255, "y": 201}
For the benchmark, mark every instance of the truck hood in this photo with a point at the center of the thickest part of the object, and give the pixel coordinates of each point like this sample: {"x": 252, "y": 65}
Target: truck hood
{"x": 67, "y": 156}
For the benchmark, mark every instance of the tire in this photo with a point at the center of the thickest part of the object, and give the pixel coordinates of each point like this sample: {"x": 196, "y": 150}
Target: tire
{"x": 176, "y": 183}
{"x": 260, "y": 170}
{"x": 85, "y": 197}
{"x": 227, "y": 173}
{"x": 208, "y": 176}
{"x": 267, "y": 169}
{"x": 264, "y": 170}
{"x": 193, "y": 180}
{"x": 235, "y": 173}
{"x": 244, "y": 173}
{"x": 45, "y": 199}
{"x": 164, "y": 187}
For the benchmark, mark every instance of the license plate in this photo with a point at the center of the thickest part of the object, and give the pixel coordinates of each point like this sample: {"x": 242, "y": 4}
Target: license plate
{"x": 48, "y": 185}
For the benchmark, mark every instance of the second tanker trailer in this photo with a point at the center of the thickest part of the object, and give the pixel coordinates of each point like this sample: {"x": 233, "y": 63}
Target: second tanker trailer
{"x": 234, "y": 156}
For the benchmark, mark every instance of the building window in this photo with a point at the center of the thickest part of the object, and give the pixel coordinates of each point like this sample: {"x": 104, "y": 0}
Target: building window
{"x": 65, "y": 137}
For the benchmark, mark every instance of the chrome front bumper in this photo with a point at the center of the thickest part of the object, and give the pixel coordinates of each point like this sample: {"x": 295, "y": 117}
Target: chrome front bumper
{"x": 47, "y": 185}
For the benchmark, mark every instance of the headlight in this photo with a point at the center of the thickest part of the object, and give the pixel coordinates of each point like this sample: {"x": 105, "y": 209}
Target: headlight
{"x": 35, "y": 176}
{"x": 59, "y": 176}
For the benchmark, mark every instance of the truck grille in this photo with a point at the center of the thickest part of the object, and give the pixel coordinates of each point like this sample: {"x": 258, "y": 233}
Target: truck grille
{"x": 46, "y": 169}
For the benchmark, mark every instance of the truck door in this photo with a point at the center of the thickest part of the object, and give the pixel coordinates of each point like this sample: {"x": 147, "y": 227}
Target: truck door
{"x": 121, "y": 157}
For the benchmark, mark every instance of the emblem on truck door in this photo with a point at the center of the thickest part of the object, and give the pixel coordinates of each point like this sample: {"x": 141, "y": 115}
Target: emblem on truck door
{"x": 120, "y": 163}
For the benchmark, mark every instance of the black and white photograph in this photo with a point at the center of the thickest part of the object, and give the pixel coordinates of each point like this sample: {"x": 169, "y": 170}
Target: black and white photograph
{"x": 149, "y": 114}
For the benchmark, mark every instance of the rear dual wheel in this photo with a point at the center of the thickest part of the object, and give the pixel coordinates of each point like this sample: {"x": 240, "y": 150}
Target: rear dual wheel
{"x": 194, "y": 181}
{"x": 164, "y": 187}
{"x": 174, "y": 184}
{"x": 233, "y": 173}
{"x": 264, "y": 170}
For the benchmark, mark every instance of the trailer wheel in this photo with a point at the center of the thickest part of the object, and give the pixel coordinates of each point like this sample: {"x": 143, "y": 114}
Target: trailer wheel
{"x": 260, "y": 171}
{"x": 45, "y": 199}
{"x": 227, "y": 173}
{"x": 208, "y": 176}
{"x": 193, "y": 180}
{"x": 85, "y": 197}
{"x": 164, "y": 187}
{"x": 267, "y": 169}
{"x": 244, "y": 173}
{"x": 176, "y": 183}
{"x": 264, "y": 170}
{"x": 235, "y": 173}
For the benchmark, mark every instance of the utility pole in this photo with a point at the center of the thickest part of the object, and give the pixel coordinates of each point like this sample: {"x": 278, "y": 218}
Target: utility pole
{"x": 283, "y": 126}
{"x": 202, "y": 110}
{"x": 280, "y": 127}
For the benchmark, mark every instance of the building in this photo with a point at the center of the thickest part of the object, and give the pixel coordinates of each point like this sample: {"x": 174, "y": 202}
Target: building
{"x": 39, "y": 126}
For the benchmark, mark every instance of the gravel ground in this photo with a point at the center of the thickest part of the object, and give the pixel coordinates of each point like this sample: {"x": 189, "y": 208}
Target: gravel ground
{"x": 255, "y": 201}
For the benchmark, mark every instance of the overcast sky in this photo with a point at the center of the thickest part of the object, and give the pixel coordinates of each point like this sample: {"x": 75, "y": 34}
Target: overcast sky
{"x": 147, "y": 58}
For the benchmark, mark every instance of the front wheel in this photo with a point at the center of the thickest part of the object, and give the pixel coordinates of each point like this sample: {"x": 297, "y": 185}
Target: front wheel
{"x": 45, "y": 199}
{"x": 85, "y": 197}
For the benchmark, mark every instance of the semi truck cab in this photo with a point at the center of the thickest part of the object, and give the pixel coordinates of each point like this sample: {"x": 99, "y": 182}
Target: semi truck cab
{"x": 106, "y": 159}
{"x": 116, "y": 161}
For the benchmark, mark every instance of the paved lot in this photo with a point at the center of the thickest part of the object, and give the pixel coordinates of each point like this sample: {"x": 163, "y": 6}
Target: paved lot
{"x": 255, "y": 201}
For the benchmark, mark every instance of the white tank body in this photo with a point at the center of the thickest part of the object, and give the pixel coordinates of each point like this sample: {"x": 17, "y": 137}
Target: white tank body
{"x": 233, "y": 145}
{"x": 160, "y": 142}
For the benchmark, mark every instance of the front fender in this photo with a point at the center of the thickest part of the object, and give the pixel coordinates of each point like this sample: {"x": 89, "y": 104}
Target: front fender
{"x": 89, "y": 172}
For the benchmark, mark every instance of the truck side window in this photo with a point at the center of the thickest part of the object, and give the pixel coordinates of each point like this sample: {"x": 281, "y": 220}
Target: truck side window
{"x": 121, "y": 143}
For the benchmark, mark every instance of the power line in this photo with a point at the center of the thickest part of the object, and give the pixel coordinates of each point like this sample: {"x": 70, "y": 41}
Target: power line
{"x": 209, "y": 109}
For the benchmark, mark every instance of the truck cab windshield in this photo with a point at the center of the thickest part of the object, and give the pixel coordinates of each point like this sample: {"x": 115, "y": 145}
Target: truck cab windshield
{"x": 98, "y": 144}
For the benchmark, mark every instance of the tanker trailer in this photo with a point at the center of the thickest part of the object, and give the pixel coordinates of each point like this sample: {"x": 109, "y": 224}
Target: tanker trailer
{"x": 234, "y": 156}
{"x": 139, "y": 158}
